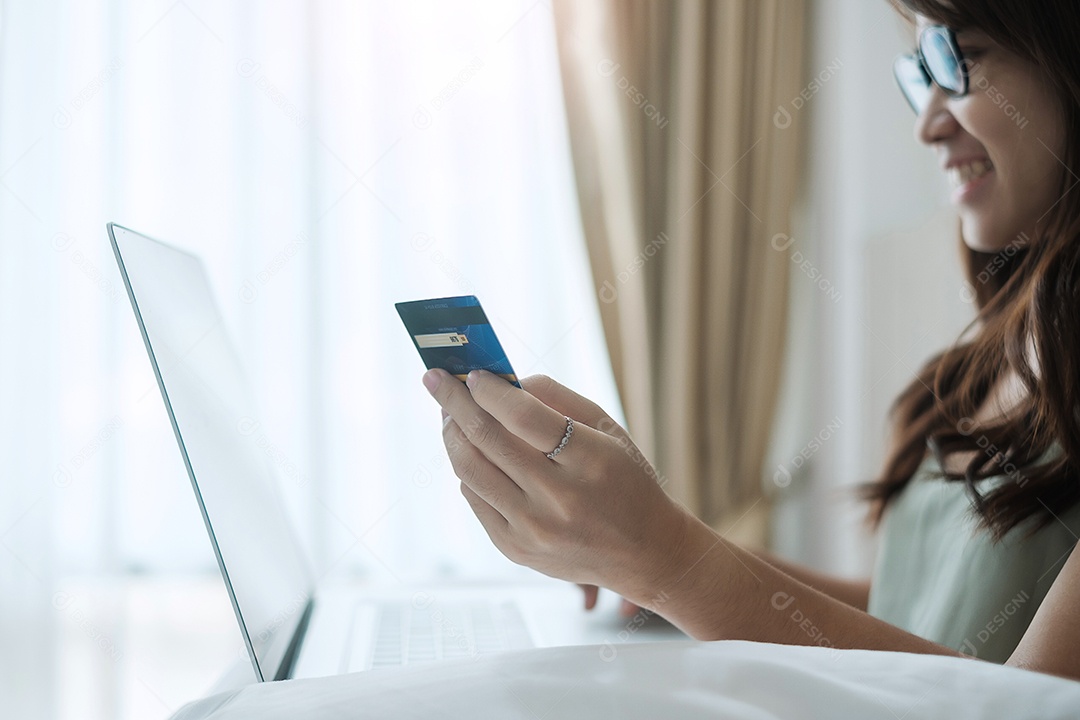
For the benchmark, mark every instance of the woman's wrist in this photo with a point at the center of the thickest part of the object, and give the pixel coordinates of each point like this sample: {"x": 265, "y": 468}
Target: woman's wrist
{"x": 671, "y": 573}
{"x": 694, "y": 578}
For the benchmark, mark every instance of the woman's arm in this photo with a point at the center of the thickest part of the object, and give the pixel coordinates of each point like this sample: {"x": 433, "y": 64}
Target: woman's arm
{"x": 596, "y": 514}
{"x": 1051, "y": 641}
{"x": 716, "y": 590}
{"x": 855, "y": 593}
{"x": 713, "y": 590}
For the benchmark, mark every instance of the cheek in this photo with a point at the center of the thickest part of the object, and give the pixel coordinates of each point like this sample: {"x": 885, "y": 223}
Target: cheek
{"x": 1014, "y": 102}
{"x": 1018, "y": 122}
{"x": 1031, "y": 175}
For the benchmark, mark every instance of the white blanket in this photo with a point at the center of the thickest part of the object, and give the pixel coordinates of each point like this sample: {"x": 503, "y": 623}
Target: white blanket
{"x": 683, "y": 679}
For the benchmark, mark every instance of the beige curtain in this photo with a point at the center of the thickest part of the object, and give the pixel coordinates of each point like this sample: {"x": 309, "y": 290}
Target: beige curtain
{"x": 683, "y": 126}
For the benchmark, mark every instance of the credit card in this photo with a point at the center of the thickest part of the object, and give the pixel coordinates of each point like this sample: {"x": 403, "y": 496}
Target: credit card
{"x": 454, "y": 334}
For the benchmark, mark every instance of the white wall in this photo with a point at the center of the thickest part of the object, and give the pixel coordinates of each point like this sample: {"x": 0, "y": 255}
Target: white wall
{"x": 874, "y": 220}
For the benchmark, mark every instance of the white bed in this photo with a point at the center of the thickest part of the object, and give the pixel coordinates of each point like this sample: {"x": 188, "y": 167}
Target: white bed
{"x": 682, "y": 679}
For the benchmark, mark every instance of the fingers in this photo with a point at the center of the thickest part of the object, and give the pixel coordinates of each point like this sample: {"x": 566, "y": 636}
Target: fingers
{"x": 493, "y": 521}
{"x": 539, "y": 425}
{"x": 566, "y": 401}
{"x": 503, "y": 448}
{"x": 591, "y": 593}
{"x": 483, "y": 479}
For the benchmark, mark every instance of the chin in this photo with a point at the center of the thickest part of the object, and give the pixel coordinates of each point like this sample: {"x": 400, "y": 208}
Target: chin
{"x": 981, "y": 247}
{"x": 980, "y": 239}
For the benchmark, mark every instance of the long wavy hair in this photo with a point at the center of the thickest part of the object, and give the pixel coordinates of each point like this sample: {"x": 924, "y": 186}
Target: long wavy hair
{"x": 1028, "y": 301}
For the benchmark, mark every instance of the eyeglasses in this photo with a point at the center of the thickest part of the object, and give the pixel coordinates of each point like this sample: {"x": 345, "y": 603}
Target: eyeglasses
{"x": 937, "y": 60}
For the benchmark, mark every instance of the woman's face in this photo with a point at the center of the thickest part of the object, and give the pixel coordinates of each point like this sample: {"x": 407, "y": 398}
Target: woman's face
{"x": 999, "y": 144}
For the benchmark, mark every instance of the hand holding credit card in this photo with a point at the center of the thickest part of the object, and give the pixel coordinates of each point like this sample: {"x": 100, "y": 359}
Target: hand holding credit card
{"x": 557, "y": 484}
{"x": 454, "y": 334}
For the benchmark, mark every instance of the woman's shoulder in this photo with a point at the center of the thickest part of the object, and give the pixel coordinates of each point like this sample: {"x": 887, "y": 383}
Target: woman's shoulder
{"x": 931, "y": 504}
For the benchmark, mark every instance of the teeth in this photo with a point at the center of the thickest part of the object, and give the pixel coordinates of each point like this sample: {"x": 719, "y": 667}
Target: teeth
{"x": 963, "y": 174}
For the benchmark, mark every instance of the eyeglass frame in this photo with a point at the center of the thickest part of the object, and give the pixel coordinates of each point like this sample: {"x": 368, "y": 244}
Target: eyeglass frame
{"x": 924, "y": 67}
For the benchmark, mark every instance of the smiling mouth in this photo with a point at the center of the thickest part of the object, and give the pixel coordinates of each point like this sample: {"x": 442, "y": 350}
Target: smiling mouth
{"x": 961, "y": 175}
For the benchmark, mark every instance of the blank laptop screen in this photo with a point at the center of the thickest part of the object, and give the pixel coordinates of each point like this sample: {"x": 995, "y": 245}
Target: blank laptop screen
{"x": 213, "y": 416}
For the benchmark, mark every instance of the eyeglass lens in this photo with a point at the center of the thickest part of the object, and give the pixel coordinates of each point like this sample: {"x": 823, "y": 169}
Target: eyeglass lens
{"x": 942, "y": 60}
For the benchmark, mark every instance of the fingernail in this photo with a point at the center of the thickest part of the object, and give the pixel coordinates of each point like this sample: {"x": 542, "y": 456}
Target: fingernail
{"x": 472, "y": 377}
{"x": 431, "y": 381}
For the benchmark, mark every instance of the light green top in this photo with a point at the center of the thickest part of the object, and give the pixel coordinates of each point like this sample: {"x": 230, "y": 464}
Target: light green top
{"x": 939, "y": 576}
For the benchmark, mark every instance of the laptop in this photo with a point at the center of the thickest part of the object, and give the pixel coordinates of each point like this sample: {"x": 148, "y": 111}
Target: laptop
{"x": 293, "y": 625}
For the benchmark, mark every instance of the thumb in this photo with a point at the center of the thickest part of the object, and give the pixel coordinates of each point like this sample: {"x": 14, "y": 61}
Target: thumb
{"x": 561, "y": 398}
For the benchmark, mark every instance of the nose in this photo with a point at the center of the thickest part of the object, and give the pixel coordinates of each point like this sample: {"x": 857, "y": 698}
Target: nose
{"x": 935, "y": 123}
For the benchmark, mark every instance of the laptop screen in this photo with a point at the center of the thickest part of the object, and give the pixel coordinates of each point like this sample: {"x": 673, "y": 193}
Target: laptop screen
{"x": 213, "y": 416}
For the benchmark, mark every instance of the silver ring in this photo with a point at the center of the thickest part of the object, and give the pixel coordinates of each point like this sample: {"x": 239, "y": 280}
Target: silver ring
{"x": 565, "y": 438}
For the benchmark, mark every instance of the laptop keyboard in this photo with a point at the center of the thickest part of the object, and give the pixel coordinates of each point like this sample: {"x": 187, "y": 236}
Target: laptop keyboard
{"x": 406, "y": 635}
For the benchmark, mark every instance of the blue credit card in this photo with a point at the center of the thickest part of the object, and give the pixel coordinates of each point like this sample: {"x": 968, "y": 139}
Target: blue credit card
{"x": 454, "y": 334}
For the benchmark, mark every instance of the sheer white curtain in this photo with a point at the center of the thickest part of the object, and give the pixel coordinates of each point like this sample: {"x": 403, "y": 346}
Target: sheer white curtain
{"x": 326, "y": 159}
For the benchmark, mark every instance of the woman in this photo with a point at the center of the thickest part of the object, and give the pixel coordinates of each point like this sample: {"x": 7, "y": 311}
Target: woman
{"x": 978, "y": 500}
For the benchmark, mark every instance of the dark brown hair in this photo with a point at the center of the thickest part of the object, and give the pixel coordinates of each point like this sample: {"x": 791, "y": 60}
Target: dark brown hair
{"x": 1028, "y": 300}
